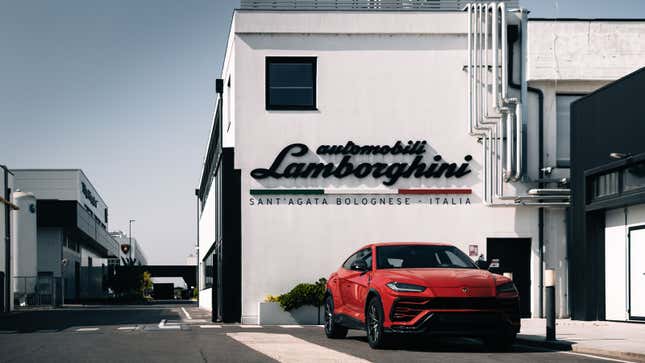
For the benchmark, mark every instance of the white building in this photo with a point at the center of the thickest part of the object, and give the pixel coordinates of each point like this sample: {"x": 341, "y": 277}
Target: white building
{"x": 134, "y": 250}
{"x": 302, "y": 89}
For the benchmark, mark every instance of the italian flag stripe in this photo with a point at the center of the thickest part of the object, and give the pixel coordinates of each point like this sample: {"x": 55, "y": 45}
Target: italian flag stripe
{"x": 336, "y": 191}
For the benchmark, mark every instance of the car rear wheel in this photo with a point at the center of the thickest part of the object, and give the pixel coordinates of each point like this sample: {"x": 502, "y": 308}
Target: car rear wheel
{"x": 376, "y": 338}
{"x": 332, "y": 329}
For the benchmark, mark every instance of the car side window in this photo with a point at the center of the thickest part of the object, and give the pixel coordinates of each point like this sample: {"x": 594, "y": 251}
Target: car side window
{"x": 348, "y": 263}
{"x": 364, "y": 254}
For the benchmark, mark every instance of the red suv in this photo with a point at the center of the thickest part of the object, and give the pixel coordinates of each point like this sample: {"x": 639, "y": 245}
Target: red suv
{"x": 420, "y": 288}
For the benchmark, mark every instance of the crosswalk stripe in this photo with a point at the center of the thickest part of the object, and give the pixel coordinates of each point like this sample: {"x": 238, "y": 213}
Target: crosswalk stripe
{"x": 250, "y": 326}
{"x": 287, "y": 348}
{"x": 210, "y": 326}
{"x": 127, "y": 328}
{"x": 87, "y": 329}
{"x": 290, "y": 326}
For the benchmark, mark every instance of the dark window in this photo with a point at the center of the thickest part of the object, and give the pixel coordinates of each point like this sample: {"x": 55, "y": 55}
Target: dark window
{"x": 105, "y": 215}
{"x": 364, "y": 254}
{"x": 422, "y": 256}
{"x": 208, "y": 271}
{"x": 634, "y": 177}
{"x": 290, "y": 83}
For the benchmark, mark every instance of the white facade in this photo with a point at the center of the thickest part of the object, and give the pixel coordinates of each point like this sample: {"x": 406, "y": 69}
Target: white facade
{"x": 383, "y": 77}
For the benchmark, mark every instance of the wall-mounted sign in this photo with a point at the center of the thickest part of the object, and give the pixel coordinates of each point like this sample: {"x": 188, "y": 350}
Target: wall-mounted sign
{"x": 125, "y": 249}
{"x": 473, "y": 250}
{"x": 417, "y": 167}
{"x": 88, "y": 194}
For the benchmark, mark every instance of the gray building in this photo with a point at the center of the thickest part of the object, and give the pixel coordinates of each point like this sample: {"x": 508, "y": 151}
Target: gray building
{"x": 72, "y": 237}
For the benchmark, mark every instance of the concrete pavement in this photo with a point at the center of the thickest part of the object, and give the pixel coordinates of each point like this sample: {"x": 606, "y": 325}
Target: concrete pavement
{"x": 618, "y": 340}
{"x": 171, "y": 333}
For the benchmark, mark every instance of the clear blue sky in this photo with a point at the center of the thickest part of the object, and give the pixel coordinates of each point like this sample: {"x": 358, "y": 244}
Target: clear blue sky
{"x": 124, "y": 90}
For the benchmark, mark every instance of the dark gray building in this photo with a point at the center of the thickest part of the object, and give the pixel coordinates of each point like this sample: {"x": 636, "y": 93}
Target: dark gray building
{"x": 607, "y": 229}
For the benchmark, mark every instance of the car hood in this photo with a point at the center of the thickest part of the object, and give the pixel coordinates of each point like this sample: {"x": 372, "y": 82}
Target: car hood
{"x": 444, "y": 277}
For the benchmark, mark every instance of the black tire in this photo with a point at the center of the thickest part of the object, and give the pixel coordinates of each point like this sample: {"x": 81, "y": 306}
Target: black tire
{"x": 332, "y": 329}
{"x": 374, "y": 317}
{"x": 502, "y": 342}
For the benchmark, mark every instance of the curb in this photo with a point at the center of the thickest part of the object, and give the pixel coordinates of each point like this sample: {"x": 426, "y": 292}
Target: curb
{"x": 563, "y": 345}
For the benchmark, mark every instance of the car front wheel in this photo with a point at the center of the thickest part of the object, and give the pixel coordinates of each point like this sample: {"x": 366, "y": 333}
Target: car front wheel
{"x": 332, "y": 329}
{"x": 376, "y": 338}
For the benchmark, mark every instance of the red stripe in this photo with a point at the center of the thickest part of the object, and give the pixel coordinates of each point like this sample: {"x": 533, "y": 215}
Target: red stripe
{"x": 435, "y": 191}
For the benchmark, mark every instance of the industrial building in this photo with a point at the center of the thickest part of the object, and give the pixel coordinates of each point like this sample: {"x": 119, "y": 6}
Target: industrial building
{"x": 60, "y": 243}
{"x": 337, "y": 125}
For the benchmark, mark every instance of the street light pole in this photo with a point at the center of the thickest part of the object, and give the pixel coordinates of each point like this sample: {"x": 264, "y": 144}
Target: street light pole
{"x": 130, "y": 236}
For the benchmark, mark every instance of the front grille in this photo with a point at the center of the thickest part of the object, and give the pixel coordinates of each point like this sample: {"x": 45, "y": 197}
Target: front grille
{"x": 407, "y": 309}
{"x": 477, "y": 303}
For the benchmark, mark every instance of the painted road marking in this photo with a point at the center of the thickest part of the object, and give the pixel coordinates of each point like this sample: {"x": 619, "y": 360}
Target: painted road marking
{"x": 87, "y": 329}
{"x": 127, "y": 328}
{"x": 196, "y": 321}
{"x": 287, "y": 348}
{"x": 290, "y": 326}
{"x": 250, "y": 326}
{"x": 598, "y": 357}
{"x": 210, "y": 326}
{"x": 186, "y": 313}
{"x": 162, "y": 325}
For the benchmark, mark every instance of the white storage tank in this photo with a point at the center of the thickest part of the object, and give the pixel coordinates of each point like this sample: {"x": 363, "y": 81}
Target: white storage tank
{"x": 24, "y": 243}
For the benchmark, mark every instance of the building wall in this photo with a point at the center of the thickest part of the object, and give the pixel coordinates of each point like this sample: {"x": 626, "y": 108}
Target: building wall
{"x": 617, "y": 224}
{"x": 372, "y": 89}
{"x": 584, "y": 50}
{"x": 50, "y": 241}
{"x": 63, "y": 184}
{"x": 206, "y": 299}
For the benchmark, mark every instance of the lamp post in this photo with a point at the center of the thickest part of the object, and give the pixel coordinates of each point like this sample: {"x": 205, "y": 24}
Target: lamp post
{"x": 130, "y": 236}
{"x": 197, "y": 249}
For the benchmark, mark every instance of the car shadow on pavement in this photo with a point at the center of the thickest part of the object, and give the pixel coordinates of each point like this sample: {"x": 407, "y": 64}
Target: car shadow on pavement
{"x": 57, "y": 320}
{"x": 420, "y": 343}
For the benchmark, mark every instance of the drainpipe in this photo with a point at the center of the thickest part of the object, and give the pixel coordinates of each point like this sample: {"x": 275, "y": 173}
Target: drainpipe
{"x": 540, "y": 95}
{"x": 7, "y": 243}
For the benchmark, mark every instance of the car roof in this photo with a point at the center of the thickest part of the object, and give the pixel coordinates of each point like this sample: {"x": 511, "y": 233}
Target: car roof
{"x": 377, "y": 244}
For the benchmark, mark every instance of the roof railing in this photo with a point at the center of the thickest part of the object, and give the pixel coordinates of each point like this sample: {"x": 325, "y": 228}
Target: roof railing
{"x": 365, "y": 5}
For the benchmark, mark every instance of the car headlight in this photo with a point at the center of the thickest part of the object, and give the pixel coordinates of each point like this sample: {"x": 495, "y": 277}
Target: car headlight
{"x": 402, "y": 287}
{"x": 507, "y": 287}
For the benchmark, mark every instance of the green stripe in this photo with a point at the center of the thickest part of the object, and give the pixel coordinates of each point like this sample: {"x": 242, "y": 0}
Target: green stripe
{"x": 287, "y": 191}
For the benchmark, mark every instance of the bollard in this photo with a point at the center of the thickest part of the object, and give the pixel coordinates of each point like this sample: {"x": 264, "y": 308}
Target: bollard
{"x": 549, "y": 283}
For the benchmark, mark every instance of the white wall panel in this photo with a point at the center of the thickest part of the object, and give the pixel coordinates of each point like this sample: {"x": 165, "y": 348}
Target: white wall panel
{"x": 615, "y": 265}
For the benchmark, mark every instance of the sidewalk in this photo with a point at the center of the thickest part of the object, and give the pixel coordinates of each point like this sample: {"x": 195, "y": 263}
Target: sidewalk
{"x": 611, "y": 339}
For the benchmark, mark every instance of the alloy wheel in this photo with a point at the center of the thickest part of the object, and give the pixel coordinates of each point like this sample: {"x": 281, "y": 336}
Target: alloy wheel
{"x": 373, "y": 324}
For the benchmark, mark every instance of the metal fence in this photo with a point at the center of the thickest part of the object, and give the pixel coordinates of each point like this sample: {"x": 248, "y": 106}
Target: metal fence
{"x": 415, "y": 5}
{"x": 37, "y": 291}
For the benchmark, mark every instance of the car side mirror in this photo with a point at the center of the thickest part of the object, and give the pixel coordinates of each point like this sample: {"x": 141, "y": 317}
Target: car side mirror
{"x": 359, "y": 265}
{"x": 482, "y": 264}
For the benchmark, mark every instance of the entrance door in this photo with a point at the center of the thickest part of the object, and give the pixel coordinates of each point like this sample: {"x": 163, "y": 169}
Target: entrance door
{"x": 514, "y": 256}
{"x": 637, "y": 273}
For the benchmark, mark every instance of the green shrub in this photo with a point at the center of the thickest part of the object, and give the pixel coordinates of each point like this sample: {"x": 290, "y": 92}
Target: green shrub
{"x": 304, "y": 294}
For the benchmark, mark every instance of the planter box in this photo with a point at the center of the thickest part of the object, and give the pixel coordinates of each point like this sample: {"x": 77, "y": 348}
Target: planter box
{"x": 272, "y": 314}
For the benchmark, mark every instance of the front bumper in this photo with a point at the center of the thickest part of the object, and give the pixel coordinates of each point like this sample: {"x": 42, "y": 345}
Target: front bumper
{"x": 454, "y": 316}
{"x": 459, "y": 324}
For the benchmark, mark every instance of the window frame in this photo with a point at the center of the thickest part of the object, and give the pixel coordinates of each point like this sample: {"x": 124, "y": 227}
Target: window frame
{"x": 560, "y": 163}
{"x": 267, "y": 80}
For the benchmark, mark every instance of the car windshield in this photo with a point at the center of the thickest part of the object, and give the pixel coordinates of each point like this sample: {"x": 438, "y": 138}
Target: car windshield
{"x": 421, "y": 256}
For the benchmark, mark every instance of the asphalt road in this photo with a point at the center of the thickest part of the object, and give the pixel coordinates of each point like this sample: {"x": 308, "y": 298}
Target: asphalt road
{"x": 172, "y": 333}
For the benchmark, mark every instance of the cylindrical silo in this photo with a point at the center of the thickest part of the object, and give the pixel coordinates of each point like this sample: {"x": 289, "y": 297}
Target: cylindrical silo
{"x": 24, "y": 244}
